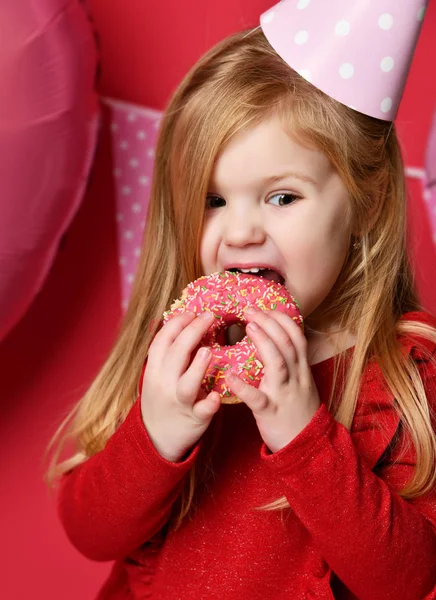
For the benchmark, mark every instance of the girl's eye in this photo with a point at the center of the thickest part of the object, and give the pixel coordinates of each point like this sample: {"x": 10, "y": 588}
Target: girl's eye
{"x": 209, "y": 204}
{"x": 293, "y": 197}
{"x": 212, "y": 200}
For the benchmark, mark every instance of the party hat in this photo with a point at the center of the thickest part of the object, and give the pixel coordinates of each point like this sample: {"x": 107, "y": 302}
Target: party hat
{"x": 356, "y": 51}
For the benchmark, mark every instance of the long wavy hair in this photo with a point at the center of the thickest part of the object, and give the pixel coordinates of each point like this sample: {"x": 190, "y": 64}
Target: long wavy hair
{"x": 237, "y": 84}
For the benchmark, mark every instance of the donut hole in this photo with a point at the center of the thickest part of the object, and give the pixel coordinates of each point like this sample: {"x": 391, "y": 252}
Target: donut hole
{"x": 234, "y": 333}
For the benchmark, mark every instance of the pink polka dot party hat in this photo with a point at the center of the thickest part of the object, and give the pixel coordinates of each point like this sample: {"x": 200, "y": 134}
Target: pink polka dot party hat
{"x": 356, "y": 51}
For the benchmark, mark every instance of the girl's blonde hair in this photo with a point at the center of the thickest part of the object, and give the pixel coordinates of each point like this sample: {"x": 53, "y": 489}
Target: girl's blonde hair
{"x": 234, "y": 86}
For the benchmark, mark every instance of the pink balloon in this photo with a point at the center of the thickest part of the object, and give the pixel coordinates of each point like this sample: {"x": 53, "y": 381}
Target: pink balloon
{"x": 49, "y": 115}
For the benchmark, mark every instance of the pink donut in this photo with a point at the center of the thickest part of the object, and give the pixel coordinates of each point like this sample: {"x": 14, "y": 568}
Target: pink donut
{"x": 227, "y": 295}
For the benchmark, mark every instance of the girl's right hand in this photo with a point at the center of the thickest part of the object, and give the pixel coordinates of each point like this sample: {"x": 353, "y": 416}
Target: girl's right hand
{"x": 175, "y": 410}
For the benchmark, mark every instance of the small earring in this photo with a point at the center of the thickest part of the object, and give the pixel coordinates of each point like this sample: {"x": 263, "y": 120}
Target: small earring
{"x": 357, "y": 244}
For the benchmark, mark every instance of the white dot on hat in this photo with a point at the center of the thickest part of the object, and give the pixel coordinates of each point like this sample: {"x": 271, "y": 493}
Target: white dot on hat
{"x": 421, "y": 13}
{"x": 386, "y": 105}
{"x": 301, "y": 37}
{"x": 303, "y": 4}
{"x": 342, "y": 28}
{"x": 346, "y": 70}
{"x": 268, "y": 17}
{"x": 385, "y": 21}
{"x": 306, "y": 74}
{"x": 387, "y": 64}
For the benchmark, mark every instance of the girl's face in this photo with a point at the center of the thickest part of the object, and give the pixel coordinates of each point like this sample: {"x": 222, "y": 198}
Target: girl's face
{"x": 296, "y": 222}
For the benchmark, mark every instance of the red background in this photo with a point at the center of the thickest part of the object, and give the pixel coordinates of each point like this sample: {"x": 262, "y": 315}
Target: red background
{"x": 50, "y": 358}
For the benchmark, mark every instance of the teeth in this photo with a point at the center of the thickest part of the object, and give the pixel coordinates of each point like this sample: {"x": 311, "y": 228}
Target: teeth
{"x": 252, "y": 270}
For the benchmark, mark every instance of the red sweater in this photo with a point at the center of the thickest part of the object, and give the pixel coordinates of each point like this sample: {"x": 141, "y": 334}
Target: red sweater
{"x": 347, "y": 535}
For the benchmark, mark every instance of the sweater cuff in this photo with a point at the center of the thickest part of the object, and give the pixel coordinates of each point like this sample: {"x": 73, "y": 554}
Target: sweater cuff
{"x": 309, "y": 441}
{"x": 134, "y": 427}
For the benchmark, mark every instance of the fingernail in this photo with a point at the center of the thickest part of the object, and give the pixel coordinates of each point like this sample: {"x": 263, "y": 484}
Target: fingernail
{"x": 206, "y": 315}
{"x": 252, "y": 326}
{"x": 251, "y": 311}
{"x": 204, "y": 353}
{"x": 232, "y": 376}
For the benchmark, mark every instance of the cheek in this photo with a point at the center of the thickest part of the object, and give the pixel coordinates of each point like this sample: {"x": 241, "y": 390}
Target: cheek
{"x": 315, "y": 260}
{"x": 207, "y": 245}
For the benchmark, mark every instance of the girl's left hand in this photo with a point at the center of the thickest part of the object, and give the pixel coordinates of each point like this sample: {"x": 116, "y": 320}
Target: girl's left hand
{"x": 287, "y": 397}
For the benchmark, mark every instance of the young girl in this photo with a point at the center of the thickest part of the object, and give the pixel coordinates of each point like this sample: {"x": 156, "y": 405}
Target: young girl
{"x": 321, "y": 483}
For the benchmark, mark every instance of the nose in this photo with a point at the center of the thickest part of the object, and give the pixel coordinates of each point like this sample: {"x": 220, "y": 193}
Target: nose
{"x": 242, "y": 228}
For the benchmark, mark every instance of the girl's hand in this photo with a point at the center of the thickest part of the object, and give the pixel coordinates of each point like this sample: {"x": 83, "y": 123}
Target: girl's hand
{"x": 175, "y": 410}
{"x": 287, "y": 397}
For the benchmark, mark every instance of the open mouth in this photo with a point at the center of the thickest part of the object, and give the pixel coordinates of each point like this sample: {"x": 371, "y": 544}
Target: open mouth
{"x": 265, "y": 273}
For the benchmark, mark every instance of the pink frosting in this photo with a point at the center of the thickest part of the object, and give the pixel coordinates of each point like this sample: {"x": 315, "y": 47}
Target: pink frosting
{"x": 227, "y": 295}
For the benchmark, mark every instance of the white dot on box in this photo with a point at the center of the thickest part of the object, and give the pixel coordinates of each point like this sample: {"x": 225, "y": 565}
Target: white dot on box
{"x": 301, "y": 37}
{"x": 151, "y": 153}
{"x": 122, "y": 261}
{"x": 136, "y": 208}
{"x": 130, "y": 278}
{"x": 126, "y": 190}
{"x": 346, "y": 70}
{"x": 303, "y": 4}
{"x": 342, "y": 28}
{"x": 143, "y": 180}
{"x": 124, "y": 145}
{"x": 385, "y": 21}
{"x": 117, "y": 172}
{"x": 141, "y": 135}
{"x": 268, "y": 17}
{"x": 134, "y": 163}
{"x": 387, "y": 64}
{"x": 120, "y": 217}
{"x": 114, "y": 127}
{"x": 128, "y": 234}
{"x": 137, "y": 251}
{"x": 131, "y": 117}
{"x": 306, "y": 74}
{"x": 386, "y": 105}
{"x": 427, "y": 195}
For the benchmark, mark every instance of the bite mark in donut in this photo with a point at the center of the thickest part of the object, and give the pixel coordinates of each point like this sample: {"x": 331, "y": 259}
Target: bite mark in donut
{"x": 227, "y": 295}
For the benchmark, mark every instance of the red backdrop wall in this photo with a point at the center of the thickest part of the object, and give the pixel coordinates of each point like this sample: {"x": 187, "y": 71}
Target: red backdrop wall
{"x": 50, "y": 358}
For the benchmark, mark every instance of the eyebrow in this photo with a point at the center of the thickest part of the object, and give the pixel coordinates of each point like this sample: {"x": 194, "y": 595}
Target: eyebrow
{"x": 294, "y": 174}
{"x": 279, "y": 177}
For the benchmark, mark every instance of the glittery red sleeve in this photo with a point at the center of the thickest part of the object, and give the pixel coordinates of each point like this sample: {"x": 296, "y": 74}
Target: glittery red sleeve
{"x": 120, "y": 497}
{"x": 379, "y": 545}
